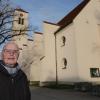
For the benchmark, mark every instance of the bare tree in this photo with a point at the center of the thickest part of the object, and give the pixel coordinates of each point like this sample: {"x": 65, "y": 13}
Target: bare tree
{"x": 6, "y": 14}
{"x": 6, "y": 21}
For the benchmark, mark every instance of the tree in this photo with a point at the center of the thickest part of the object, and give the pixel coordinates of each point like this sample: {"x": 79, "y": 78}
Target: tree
{"x": 6, "y": 21}
{"x": 6, "y": 14}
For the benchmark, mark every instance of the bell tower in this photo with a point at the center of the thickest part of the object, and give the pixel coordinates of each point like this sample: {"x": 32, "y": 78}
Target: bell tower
{"x": 19, "y": 27}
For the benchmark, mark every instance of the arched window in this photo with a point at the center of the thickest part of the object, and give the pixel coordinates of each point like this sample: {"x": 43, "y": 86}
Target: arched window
{"x": 63, "y": 40}
{"x": 64, "y": 63}
{"x": 21, "y": 21}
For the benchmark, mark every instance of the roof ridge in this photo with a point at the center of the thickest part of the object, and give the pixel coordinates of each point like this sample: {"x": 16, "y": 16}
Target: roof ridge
{"x": 71, "y": 15}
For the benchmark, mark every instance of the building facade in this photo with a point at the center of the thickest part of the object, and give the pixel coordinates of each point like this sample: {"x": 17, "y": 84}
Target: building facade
{"x": 37, "y": 55}
{"x": 72, "y": 46}
{"x": 66, "y": 52}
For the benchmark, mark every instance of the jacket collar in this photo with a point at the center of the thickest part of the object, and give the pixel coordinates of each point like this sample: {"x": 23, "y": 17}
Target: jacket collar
{"x": 8, "y": 71}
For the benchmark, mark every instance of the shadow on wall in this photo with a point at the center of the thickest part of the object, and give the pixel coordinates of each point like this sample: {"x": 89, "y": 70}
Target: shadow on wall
{"x": 55, "y": 80}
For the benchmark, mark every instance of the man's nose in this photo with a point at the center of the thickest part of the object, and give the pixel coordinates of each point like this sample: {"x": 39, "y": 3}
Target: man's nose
{"x": 11, "y": 53}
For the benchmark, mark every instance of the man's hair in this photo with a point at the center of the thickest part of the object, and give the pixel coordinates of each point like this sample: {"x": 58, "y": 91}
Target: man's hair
{"x": 8, "y": 43}
{"x": 11, "y": 42}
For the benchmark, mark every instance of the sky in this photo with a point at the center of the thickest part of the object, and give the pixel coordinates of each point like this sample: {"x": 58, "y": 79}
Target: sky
{"x": 45, "y": 10}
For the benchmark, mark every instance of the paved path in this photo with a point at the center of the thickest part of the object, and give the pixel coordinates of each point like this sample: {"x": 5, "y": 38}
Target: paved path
{"x": 39, "y": 93}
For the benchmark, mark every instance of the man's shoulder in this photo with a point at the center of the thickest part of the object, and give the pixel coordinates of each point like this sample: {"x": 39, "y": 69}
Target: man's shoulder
{"x": 22, "y": 73}
{"x": 0, "y": 61}
{"x": 1, "y": 66}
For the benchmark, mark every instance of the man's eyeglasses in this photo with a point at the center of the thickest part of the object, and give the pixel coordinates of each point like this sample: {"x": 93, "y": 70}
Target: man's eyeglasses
{"x": 9, "y": 51}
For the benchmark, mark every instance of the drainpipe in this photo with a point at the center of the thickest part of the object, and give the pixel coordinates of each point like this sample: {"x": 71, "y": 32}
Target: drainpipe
{"x": 56, "y": 60}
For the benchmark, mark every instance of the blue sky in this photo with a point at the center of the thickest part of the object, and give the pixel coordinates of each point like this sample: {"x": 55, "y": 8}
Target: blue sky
{"x": 45, "y": 10}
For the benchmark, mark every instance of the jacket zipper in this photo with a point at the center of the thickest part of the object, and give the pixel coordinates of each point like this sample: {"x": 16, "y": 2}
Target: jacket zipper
{"x": 12, "y": 80}
{"x": 12, "y": 88}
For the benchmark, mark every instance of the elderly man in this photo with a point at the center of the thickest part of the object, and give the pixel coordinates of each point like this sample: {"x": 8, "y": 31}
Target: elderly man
{"x": 13, "y": 81}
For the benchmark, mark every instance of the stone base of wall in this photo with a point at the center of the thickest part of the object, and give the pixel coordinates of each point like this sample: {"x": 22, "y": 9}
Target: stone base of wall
{"x": 34, "y": 83}
{"x": 55, "y": 85}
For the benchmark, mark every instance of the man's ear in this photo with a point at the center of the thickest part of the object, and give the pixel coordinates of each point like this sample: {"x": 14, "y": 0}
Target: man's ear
{"x": 18, "y": 55}
{"x": 2, "y": 55}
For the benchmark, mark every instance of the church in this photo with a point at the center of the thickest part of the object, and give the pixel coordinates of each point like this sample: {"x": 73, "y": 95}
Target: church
{"x": 72, "y": 46}
{"x": 67, "y": 51}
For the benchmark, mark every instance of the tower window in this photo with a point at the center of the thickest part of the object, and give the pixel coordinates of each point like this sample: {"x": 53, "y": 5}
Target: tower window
{"x": 21, "y": 21}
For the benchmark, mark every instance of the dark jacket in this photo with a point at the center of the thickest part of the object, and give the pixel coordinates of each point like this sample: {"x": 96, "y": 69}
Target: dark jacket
{"x": 13, "y": 87}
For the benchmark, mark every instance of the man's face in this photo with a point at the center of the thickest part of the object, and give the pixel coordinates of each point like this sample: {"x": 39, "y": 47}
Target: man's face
{"x": 10, "y": 54}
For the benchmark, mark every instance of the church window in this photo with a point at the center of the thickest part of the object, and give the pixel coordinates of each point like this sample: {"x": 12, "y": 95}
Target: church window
{"x": 63, "y": 40}
{"x": 64, "y": 63}
{"x": 94, "y": 72}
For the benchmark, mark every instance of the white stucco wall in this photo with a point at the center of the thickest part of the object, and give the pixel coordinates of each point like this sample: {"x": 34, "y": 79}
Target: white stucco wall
{"x": 37, "y": 53}
{"x": 48, "y": 71}
{"x": 68, "y": 51}
{"x": 87, "y": 39}
{"x": 82, "y": 49}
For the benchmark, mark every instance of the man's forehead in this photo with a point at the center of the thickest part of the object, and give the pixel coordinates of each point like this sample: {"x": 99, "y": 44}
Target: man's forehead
{"x": 11, "y": 46}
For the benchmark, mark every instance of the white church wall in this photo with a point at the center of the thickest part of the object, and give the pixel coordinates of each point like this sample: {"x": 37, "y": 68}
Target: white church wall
{"x": 37, "y": 54}
{"x": 67, "y": 50}
{"x": 48, "y": 70}
{"x": 87, "y": 41}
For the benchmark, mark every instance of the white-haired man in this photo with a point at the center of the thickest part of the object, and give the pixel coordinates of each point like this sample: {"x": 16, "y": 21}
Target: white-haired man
{"x": 13, "y": 81}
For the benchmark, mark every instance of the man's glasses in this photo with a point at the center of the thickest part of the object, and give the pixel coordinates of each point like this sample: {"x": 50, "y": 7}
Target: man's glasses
{"x": 9, "y": 51}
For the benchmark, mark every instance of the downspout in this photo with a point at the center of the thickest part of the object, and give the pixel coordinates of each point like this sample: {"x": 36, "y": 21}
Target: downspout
{"x": 56, "y": 59}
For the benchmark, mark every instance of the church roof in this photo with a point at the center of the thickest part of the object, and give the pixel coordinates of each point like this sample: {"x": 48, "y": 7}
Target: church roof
{"x": 70, "y": 16}
{"x": 50, "y": 23}
{"x": 19, "y": 9}
{"x": 38, "y": 33}
{"x": 30, "y": 39}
